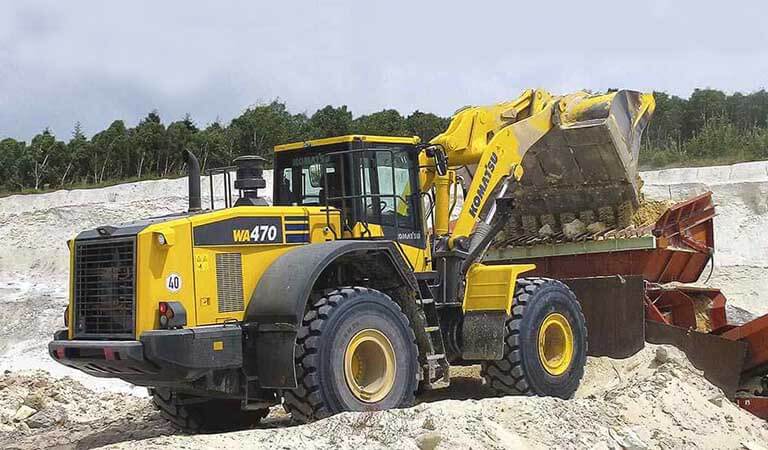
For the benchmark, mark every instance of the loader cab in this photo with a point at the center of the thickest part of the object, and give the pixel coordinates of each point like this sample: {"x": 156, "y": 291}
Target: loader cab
{"x": 371, "y": 180}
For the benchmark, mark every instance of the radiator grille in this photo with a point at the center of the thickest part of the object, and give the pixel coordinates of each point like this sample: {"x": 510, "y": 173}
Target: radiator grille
{"x": 229, "y": 282}
{"x": 104, "y": 288}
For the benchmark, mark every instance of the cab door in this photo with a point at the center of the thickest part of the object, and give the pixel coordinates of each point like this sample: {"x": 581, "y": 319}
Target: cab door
{"x": 388, "y": 180}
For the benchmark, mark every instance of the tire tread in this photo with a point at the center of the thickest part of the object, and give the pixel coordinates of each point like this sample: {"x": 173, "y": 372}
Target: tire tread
{"x": 508, "y": 376}
{"x": 305, "y": 403}
{"x": 209, "y": 416}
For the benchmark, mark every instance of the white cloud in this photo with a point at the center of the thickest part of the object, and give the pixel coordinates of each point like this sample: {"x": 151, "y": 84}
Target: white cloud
{"x": 93, "y": 62}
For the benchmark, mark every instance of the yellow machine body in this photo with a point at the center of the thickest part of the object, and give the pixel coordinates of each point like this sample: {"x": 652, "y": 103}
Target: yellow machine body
{"x": 491, "y": 288}
{"x": 217, "y": 302}
{"x": 496, "y": 140}
{"x": 195, "y": 266}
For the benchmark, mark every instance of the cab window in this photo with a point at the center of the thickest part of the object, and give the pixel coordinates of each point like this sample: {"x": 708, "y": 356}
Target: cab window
{"x": 303, "y": 182}
{"x": 386, "y": 186}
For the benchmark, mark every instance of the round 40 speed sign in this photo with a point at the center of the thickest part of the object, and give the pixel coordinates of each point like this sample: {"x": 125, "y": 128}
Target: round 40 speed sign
{"x": 173, "y": 282}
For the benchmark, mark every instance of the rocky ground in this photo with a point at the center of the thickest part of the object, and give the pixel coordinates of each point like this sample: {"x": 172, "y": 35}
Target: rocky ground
{"x": 654, "y": 399}
{"x": 635, "y": 403}
{"x": 40, "y": 411}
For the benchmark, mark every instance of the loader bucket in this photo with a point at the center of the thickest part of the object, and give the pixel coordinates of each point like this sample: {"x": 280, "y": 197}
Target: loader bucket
{"x": 588, "y": 160}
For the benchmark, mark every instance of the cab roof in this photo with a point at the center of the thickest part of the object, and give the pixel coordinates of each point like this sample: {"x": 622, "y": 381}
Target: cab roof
{"x": 413, "y": 140}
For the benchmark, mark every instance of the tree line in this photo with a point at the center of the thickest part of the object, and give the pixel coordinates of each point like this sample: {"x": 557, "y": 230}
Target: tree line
{"x": 152, "y": 149}
{"x": 708, "y": 127}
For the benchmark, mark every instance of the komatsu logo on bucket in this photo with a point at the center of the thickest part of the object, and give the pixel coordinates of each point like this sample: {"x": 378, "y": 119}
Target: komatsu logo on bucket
{"x": 483, "y": 184}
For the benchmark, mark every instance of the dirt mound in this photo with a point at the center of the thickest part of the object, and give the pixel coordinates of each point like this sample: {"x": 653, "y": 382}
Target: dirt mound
{"x": 38, "y": 411}
{"x": 654, "y": 399}
{"x": 641, "y": 402}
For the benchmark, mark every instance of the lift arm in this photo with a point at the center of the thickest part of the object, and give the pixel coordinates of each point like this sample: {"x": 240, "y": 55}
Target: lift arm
{"x": 572, "y": 151}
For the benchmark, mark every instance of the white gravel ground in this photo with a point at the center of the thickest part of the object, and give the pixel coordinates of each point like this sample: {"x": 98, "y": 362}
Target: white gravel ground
{"x": 664, "y": 406}
{"x": 654, "y": 399}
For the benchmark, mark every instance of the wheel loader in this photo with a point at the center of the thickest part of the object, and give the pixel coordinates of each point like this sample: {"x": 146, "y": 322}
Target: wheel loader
{"x": 354, "y": 290}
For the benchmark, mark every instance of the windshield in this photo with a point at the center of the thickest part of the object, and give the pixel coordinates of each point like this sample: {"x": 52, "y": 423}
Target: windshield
{"x": 372, "y": 185}
{"x": 300, "y": 179}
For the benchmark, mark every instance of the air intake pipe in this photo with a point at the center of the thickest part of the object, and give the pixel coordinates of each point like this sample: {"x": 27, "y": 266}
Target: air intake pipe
{"x": 249, "y": 180}
{"x": 193, "y": 177}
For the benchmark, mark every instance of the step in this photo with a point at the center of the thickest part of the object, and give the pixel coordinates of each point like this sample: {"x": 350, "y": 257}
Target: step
{"x": 431, "y": 329}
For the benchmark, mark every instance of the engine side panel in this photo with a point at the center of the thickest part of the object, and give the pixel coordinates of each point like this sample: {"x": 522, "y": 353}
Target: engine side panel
{"x": 234, "y": 247}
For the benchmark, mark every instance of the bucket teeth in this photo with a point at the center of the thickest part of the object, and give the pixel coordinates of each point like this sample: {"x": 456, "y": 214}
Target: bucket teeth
{"x": 605, "y": 218}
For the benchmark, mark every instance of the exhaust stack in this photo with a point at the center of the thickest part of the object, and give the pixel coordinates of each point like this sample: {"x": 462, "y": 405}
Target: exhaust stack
{"x": 194, "y": 181}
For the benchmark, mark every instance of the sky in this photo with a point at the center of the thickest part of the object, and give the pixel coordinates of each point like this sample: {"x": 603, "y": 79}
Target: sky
{"x": 92, "y": 62}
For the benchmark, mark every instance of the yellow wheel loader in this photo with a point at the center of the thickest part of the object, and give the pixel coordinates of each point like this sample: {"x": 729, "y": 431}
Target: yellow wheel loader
{"x": 354, "y": 289}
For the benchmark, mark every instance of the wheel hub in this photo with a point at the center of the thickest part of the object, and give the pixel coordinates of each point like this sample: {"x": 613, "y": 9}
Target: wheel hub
{"x": 369, "y": 365}
{"x": 555, "y": 344}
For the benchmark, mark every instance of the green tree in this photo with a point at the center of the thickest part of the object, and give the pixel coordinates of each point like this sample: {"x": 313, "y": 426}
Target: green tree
{"x": 665, "y": 128}
{"x": 180, "y": 137}
{"x": 214, "y": 146}
{"x": 757, "y": 146}
{"x": 330, "y": 121}
{"x": 387, "y": 122}
{"x": 39, "y": 159}
{"x": 425, "y": 125}
{"x": 748, "y": 111}
{"x": 148, "y": 144}
{"x": 12, "y": 154}
{"x": 107, "y": 155}
{"x": 703, "y": 106}
{"x": 717, "y": 139}
{"x": 261, "y": 127}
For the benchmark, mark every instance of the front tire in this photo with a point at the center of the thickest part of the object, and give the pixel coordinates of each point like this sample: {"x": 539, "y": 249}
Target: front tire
{"x": 355, "y": 351}
{"x": 545, "y": 348}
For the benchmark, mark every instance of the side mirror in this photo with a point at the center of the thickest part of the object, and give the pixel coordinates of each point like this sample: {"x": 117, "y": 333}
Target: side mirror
{"x": 316, "y": 175}
{"x": 441, "y": 161}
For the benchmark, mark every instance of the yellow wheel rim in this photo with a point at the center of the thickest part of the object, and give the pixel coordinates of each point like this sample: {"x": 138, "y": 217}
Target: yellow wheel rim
{"x": 369, "y": 365}
{"x": 555, "y": 344}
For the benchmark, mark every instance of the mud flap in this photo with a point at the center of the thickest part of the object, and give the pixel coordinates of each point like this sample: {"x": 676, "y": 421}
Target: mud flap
{"x": 614, "y": 310}
{"x": 483, "y": 335}
{"x": 269, "y": 354}
{"x": 720, "y": 359}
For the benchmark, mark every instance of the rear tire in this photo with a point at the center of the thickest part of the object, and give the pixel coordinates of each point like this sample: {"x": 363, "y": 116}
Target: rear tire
{"x": 348, "y": 323}
{"x": 527, "y": 368}
{"x": 205, "y": 416}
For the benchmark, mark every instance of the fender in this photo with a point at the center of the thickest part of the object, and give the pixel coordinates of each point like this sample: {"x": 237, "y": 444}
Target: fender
{"x": 277, "y": 305}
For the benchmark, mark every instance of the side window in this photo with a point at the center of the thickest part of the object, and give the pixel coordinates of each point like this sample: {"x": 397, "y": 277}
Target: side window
{"x": 311, "y": 184}
{"x": 299, "y": 179}
{"x": 371, "y": 202}
{"x": 386, "y": 180}
{"x": 394, "y": 187}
